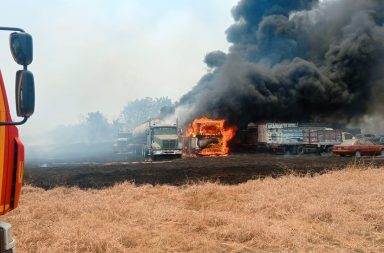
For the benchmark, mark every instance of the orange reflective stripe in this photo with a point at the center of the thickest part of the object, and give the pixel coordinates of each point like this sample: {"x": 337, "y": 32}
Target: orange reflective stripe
{"x": 19, "y": 92}
{"x": 2, "y": 149}
{"x": 3, "y": 118}
{"x": 20, "y": 170}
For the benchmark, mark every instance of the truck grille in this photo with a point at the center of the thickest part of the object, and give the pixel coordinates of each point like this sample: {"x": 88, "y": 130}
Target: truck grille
{"x": 169, "y": 144}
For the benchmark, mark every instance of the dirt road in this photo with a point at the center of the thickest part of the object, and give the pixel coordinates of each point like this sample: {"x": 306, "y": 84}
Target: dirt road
{"x": 233, "y": 169}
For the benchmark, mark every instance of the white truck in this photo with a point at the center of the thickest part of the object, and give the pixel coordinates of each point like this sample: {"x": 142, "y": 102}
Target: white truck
{"x": 157, "y": 139}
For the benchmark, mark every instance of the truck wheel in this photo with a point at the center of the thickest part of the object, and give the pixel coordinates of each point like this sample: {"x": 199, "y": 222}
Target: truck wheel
{"x": 382, "y": 152}
{"x": 300, "y": 150}
{"x": 358, "y": 154}
{"x": 329, "y": 150}
{"x": 143, "y": 153}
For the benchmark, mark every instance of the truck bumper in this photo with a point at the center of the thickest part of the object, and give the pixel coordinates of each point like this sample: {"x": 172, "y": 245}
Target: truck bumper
{"x": 7, "y": 243}
{"x": 167, "y": 152}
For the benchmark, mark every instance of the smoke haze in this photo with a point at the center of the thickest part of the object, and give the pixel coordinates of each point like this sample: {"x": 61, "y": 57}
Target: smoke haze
{"x": 96, "y": 55}
{"x": 289, "y": 60}
{"x": 296, "y": 61}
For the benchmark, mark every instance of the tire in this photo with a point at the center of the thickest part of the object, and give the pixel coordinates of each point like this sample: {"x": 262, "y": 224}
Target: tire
{"x": 358, "y": 154}
{"x": 287, "y": 151}
{"x": 328, "y": 151}
{"x": 382, "y": 152}
{"x": 300, "y": 150}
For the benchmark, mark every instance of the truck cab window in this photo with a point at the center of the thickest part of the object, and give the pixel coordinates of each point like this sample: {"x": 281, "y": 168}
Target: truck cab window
{"x": 348, "y": 136}
{"x": 164, "y": 130}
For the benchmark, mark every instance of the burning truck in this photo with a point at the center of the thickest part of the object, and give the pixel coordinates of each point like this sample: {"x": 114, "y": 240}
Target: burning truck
{"x": 158, "y": 139}
{"x": 208, "y": 137}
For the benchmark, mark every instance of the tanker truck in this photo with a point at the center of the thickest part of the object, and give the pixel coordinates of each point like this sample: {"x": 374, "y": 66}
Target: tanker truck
{"x": 11, "y": 147}
{"x": 157, "y": 139}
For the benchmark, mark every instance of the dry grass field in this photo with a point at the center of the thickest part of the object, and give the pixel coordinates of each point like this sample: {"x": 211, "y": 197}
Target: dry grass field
{"x": 339, "y": 211}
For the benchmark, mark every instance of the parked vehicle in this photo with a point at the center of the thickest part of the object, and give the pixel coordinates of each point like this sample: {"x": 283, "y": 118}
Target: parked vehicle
{"x": 283, "y": 137}
{"x": 370, "y": 137}
{"x": 157, "y": 139}
{"x": 378, "y": 140}
{"x": 121, "y": 145}
{"x": 296, "y": 138}
{"x": 358, "y": 147}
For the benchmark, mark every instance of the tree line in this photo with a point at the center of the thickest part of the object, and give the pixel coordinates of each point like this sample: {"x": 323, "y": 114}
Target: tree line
{"x": 94, "y": 127}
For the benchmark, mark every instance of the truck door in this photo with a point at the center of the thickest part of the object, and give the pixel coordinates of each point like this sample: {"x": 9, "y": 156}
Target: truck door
{"x": 347, "y": 136}
{"x": 11, "y": 158}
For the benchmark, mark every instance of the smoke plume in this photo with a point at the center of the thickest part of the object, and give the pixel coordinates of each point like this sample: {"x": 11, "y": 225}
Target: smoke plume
{"x": 295, "y": 60}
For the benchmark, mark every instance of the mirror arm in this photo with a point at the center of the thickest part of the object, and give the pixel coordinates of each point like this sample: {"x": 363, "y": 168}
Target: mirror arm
{"x": 14, "y": 123}
{"x": 2, "y": 28}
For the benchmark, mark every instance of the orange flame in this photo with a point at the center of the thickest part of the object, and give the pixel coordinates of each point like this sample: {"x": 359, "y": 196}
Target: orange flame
{"x": 211, "y": 136}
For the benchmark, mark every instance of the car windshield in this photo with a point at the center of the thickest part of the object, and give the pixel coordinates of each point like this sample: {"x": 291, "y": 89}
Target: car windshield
{"x": 164, "y": 130}
{"x": 348, "y": 142}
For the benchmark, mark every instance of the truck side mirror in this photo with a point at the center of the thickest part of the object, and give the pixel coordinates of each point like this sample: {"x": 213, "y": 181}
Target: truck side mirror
{"x": 25, "y": 93}
{"x": 21, "y": 47}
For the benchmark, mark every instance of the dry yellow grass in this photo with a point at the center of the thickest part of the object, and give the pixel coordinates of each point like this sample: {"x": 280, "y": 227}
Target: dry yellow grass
{"x": 336, "y": 212}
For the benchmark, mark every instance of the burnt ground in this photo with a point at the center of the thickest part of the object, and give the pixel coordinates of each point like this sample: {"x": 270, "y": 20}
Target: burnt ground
{"x": 233, "y": 169}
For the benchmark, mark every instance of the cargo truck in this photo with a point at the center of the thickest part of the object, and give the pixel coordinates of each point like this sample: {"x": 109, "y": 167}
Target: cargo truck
{"x": 294, "y": 138}
{"x": 156, "y": 139}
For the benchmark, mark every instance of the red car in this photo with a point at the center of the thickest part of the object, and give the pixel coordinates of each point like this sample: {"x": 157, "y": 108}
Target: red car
{"x": 358, "y": 147}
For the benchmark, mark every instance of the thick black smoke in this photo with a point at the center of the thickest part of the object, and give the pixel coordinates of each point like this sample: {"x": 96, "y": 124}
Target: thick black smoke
{"x": 295, "y": 60}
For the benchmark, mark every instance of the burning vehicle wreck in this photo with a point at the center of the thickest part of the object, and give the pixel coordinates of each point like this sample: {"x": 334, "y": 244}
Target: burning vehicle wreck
{"x": 208, "y": 137}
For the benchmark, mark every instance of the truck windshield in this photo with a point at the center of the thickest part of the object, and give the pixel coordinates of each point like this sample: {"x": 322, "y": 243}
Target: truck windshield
{"x": 164, "y": 130}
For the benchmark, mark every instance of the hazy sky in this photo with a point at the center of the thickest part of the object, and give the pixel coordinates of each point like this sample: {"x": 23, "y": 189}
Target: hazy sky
{"x": 94, "y": 55}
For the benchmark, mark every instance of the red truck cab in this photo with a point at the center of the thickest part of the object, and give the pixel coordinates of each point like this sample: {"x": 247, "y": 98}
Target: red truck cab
{"x": 11, "y": 147}
{"x": 11, "y": 158}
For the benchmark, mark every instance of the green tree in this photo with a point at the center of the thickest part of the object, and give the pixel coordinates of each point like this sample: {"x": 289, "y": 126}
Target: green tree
{"x": 141, "y": 110}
